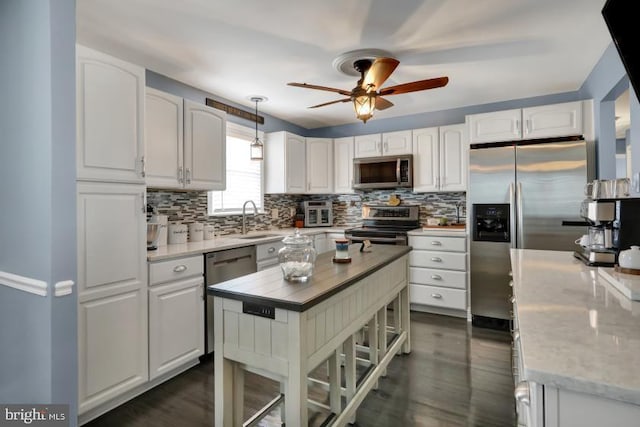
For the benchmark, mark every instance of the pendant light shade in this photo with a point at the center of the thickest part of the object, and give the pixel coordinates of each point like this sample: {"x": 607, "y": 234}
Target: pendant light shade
{"x": 257, "y": 147}
{"x": 364, "y": 106}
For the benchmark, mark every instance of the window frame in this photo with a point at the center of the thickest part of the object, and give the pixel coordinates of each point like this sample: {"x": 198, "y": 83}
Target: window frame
{"x": 242, "y": 132}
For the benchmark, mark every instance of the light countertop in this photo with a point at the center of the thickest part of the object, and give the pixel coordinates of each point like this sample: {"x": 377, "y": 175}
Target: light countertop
{"x": 577, "y": 331}
{"x": 232, "y": 241}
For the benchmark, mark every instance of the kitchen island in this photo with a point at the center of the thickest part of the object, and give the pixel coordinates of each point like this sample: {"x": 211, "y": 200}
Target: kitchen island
{"x": 576, "y": 341}
{"x": 284, "y": 330}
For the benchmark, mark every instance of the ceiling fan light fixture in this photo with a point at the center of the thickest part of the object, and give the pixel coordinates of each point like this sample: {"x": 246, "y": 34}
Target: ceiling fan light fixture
{"x": 364, "y": 106}
{"x": 257, "y": 147}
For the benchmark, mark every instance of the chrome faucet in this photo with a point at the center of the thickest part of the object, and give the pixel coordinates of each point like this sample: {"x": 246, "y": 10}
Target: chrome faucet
{"x": 244, "y": 215}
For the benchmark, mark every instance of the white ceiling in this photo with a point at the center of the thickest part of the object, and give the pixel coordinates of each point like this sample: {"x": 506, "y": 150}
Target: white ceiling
{"x": 491, "y": 50}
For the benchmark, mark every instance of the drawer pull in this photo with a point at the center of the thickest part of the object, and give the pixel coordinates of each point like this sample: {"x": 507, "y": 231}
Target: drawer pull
{"x": 511, "y": 283}
{"x": 436, "y": 296}
{"x": 436, "y": 259}
{"x": 271, "y": 250}
{"x": 180, "y": 268}
{"x": 512, "y": 299}
{"x": 436, "y": 277}
{"x": 436, "y": 243}
{"x": 522, "y": 393}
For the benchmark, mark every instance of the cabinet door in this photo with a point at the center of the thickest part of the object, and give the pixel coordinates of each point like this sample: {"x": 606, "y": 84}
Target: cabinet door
{"x": 112, "y": 347}
{"x": 395, "y": 143}
{"x": 163, "y": 139}
{"x": 368, "y": 145}
{"x": 555, "y": 120}
{"x": 495, "y": 127}
{"x": 426, "y": 163}
{"x": 319, "y": 158}
{"x": 343, "y": 165}
{"x": 295, "y": 164}
{"x": 176, "y": 324}
{"x": 453, "y": 158}
{"x": 112, "y": 244}
{"x": 110, "y": 114}
{"x": 204, "y": 147}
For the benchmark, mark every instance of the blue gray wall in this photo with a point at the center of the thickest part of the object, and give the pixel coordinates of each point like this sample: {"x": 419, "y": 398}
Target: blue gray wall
{"x": 37, "y": 180}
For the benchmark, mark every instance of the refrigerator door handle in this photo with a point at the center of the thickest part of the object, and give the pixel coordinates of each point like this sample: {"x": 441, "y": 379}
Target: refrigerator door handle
{"x": 512, "y": 213}
{"x": 520, "y": 208}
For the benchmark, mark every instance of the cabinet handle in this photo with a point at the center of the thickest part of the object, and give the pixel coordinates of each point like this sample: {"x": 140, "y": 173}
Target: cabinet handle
{"x": 180, "y": 268}
{"x": 436, "y": 277}
{"x": 517, "y": 126}
{"x": 516, "y": 336}
{"x": 436, "y": 296}
{"x": 180, "y": 176}
{"x": 188, "y": 175}
{"x": 436, "y": 243}
{"x": 436, "y": 259}
{"x": 386, "y": 146}
{"x": 271, "y": 250}
{"x": 438, "y": 182}
{"x": 143, "y": 173}
{"x": 522, "y": 393}
{"x": 511, "y": 283}
{"x": 379, "y": 145}
{"x": 144, "y": 205}
{"x": 528, "y": 127}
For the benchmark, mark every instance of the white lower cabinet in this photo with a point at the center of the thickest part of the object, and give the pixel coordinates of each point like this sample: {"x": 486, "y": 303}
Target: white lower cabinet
{"x": 438, "y": 273}
{"x": 112, "y": 345}
{"x": 176, "y": 313}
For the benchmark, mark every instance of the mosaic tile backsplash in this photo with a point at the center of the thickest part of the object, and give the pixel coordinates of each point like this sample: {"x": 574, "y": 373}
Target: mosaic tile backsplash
{"x": 191, "y": 206}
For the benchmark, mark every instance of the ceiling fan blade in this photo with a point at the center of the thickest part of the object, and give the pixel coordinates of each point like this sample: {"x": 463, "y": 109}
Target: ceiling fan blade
{"x": 382, "y": 104}
{"x": 379, "y": 72}
{"x": 330, "y": 89}
{"x": 415, "y": 86}
{"x": 331, "y": 102}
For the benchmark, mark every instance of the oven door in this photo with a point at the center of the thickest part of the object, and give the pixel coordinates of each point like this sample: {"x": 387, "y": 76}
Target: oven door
{"x": 379, "y": 240}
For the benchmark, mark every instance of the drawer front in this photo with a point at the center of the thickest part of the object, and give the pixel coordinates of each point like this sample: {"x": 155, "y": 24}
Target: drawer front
{"x": 438, "y": 297}
{"x": 268, "y": 250}
{"x": 176, "y": 269}
{"x": 444, "y": 278}
{"x": 438, "y": 260}
{"x": 434, "y": 243}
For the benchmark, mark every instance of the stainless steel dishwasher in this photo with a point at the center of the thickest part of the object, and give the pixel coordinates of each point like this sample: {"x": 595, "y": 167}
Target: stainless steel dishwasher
{"x": 219, "y": 267}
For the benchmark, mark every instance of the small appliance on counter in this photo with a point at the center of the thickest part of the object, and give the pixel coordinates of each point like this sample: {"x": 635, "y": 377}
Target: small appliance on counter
{"x": 318, "y": 213}
{"x": 153, "y": 233}
{"x": 614, "y": 228}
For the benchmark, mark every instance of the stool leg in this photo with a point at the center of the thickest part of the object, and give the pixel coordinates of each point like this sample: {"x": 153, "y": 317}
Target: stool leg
{"x": 373, "y": 343}
{"x": 350, "y": 369}
{"x": 335, "y": 388}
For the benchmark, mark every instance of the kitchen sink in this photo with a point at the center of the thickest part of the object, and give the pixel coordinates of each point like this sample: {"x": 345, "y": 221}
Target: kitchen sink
{"x": 258, "y": 236}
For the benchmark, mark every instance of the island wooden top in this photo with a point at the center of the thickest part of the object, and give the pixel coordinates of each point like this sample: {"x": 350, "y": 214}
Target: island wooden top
{"x": 269, "y": 288}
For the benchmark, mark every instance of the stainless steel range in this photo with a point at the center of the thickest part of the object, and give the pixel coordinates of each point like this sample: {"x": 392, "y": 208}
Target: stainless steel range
{"x": 385, "y": 224}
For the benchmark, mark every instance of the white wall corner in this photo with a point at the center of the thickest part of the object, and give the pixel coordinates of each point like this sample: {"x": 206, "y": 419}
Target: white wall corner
{"x": 63, "y": 288}
{"x": 27, "y": 284}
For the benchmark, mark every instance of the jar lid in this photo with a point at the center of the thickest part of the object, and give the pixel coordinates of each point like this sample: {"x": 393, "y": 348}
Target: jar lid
{"x": 297, "y": 239}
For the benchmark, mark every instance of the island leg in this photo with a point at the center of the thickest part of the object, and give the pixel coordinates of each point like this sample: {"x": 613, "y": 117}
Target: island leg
{"x": 223, "y": 373}
{"x": 335, "y": 387}
{"x": 382, "y": 335}
{"x": 295, "y": 387}
{"x": 405, "y": 319}
{"x": 373, "y": 343}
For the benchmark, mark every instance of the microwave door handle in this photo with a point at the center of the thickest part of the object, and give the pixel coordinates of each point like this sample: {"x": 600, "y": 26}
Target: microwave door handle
{"x": 398, "y": 171}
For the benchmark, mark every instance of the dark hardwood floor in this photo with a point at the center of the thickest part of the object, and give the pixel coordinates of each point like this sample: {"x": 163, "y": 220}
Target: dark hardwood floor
{"x": 456, "y": 375}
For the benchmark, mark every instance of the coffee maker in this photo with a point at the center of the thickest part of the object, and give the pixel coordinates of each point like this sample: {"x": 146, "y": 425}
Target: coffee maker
{"x": 614, "y": 225}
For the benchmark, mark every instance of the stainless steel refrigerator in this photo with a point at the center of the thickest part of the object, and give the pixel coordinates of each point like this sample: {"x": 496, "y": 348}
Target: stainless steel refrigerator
{"x": 524, "y": 194}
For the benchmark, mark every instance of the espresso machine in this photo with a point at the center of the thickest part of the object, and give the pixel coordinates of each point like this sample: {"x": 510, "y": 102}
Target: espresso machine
{"x": 614, "y": 225}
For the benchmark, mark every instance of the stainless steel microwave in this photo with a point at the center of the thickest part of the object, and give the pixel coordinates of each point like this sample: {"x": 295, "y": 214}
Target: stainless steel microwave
{"x": 383, "y": 172}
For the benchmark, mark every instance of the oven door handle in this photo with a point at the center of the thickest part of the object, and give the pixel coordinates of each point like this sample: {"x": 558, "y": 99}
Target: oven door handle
{"x": 399, "y": 239}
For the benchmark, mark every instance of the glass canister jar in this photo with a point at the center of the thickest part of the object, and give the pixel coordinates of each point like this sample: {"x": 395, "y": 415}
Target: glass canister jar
{"x": 297, "y": 257}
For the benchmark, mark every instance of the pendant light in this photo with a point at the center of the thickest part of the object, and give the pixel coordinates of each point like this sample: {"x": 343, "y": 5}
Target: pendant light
{"x": 257, "y": 148}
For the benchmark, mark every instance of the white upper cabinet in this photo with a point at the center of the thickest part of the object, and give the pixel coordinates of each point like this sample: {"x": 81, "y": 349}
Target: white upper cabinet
{"x": 319, "y": 156}
{"x": 164, "y": 143}
{"x": 550, "y": 121}
{"x": 426, "y": 160}
{"x": 285, "y": 163}
{"x": 343, "y": 165}
{"x": 205, "y": 136}
{"x": 547, "y": 121}
{"x": 110, "y": 114}
{"x": 368, "y": 145}
{"x": 440, "y": 158}
{"x": 396, "y": 143}
{"x": 385, "y": 144}
{"x": 185, "y": 143}
{"x": 453, "y": 158}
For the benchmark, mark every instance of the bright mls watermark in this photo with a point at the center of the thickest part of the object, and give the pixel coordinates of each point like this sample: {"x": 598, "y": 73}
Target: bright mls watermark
{"x": 34, "y": 415}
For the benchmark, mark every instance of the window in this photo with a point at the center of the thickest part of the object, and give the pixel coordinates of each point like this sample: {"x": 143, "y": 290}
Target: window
{"x": 244, "y": 176}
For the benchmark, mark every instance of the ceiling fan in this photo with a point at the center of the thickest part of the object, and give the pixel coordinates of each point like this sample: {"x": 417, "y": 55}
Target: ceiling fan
{"x": 368, "y": 94}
